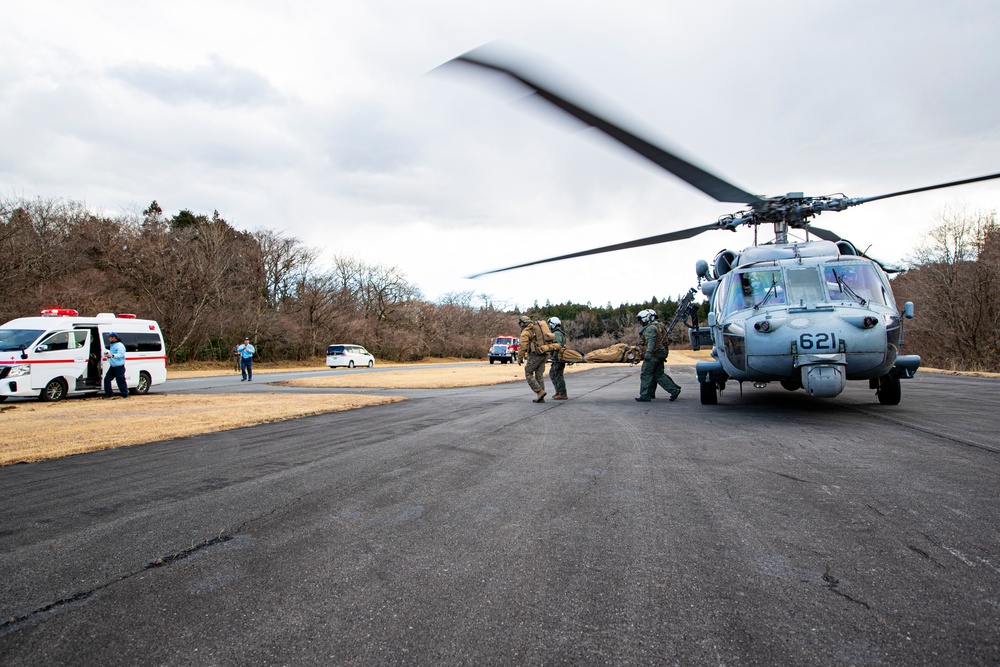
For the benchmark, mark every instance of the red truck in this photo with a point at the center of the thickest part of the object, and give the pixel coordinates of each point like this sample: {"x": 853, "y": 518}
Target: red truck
{"x": 504, "y": 348}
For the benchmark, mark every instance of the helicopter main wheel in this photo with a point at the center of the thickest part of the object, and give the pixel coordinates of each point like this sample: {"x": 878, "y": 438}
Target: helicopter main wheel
{"x": 791, "y": 384}
{"x": 709, "y": 393}
{"x": 888, "y": 391}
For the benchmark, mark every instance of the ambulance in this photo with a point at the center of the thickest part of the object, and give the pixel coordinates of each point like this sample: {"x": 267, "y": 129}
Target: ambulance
{"x": 61, "y": 353}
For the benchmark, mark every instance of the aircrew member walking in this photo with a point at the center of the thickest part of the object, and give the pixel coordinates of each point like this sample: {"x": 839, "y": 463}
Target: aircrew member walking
{"x": 654, "y": 335}
{"x": 557, "y": 367}
{"x": 531, "y": 350}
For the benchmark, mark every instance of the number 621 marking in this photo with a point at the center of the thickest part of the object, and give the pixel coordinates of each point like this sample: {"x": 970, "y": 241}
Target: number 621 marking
{"x": 819, "y": 341}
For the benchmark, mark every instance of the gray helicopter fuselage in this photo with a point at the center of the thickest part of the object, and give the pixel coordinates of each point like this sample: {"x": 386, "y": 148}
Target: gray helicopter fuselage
{"x": 803, "y": 314}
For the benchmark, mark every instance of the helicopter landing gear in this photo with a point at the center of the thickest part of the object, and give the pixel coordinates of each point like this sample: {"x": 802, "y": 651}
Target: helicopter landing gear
{"x": 791, "y": 384}
{"x": 709, "y": 393}
{"x": 888, "y": 391}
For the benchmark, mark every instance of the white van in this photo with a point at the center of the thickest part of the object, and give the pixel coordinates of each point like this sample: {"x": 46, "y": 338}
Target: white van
{"x": 62, "y": 353}
{"x": 348, "y": 355}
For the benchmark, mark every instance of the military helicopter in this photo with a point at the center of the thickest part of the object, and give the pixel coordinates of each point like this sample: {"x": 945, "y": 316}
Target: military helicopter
{"x": 807, "y": 314}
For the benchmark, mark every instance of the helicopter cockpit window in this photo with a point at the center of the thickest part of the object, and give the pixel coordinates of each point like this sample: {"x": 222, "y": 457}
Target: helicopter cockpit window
{"x": 804, "y": 287}
{"x": 859, "y": 283}
{"x": 753, "y": 289}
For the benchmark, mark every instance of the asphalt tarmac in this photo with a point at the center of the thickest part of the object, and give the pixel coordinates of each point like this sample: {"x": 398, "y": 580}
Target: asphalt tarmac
{"x": 473, "y": 527}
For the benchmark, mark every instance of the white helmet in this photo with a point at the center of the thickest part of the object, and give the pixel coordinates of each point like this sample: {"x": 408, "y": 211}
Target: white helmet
{"x": 555, "y": 323}
{"x": 646, "y": 316}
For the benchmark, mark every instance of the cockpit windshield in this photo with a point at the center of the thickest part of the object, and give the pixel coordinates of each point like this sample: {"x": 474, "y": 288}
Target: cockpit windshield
{"x": 13, "y": 339}
{"x": 803, "y": 286}
{"x": 859, "y": 283}
{"x": 753, "y": 289}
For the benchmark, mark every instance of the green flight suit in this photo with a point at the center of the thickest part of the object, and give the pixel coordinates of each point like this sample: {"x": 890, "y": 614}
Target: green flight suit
{"x": 556, "y": 367}
{"x": 652, "y": 364}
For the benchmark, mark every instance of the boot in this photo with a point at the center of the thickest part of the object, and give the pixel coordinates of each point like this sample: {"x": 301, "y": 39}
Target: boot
{"x": 560, "y": 397}
{"x": 540, "y": 396}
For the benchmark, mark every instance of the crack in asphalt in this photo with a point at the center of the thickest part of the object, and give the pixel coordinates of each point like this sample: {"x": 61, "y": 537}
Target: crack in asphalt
{"x": 921, "y": 552}
{"x": 794, "y": 479}
{"x": 875, "y": 509}
{"x": 832, "y": 583}
{"x": 10, "y": 624}
{"x": 923, "y": 429}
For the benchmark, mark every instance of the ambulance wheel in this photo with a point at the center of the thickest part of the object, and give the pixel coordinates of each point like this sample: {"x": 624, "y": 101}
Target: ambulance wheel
{"x": 54, "y": 391}
{"x": 144, "y": 382}
{"x": 371, "y": 364}
{"x": 492, "y": 360}
{"x": 350, "y": 364}
{"x": 709, "y": 394}
{"x": 2, "y": 399}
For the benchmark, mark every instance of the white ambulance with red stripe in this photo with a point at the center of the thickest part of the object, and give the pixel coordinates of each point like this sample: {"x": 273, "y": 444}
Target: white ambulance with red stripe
{"x": 61, "y": 353}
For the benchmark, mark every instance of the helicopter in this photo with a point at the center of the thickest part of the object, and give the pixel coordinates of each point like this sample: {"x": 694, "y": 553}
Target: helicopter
{"x": 810, "y": 314}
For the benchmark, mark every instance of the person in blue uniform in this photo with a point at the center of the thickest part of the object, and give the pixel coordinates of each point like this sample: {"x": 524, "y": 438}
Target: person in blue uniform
{"x": 246, "y": 352}
{"x": 115, "y": 355}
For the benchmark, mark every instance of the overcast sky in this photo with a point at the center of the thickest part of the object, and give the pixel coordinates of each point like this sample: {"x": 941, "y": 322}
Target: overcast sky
{"x": 321, "y": 120}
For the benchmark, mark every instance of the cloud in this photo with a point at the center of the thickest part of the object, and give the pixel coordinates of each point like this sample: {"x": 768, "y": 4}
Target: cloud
{"x": 317, "y": 119}
{"x": 218, "y": 83}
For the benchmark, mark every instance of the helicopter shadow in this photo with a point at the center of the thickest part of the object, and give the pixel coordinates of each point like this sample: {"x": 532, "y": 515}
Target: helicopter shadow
{"x": 771, "y": 402}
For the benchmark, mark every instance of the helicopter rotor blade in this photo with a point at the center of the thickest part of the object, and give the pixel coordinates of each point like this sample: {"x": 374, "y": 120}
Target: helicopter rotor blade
{"x": 924, "y": 189}
{"x": 638, "y": 243}
{"x": 708, "y": 183}
{"x": 824, "y": 234}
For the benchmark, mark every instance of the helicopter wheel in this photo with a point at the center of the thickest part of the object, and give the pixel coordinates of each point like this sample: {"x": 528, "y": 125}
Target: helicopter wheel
{"x": 791, "y": 384}
{"x": 709, "y": 393}
{"x": 888, "y": 391}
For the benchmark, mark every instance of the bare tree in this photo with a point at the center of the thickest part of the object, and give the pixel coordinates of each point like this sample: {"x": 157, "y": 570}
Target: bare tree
{"x": 38, "y": 248}
{"x": 955, "y": 281}
{"x": 283, "y": 263}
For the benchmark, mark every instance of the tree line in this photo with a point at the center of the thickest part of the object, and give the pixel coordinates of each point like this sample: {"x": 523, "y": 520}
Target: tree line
{"x": 209, "y": 284}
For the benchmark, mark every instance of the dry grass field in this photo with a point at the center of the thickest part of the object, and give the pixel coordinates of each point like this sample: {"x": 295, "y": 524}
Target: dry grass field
{"x": 35, "y": 431}
{"x": 414, "y": 377}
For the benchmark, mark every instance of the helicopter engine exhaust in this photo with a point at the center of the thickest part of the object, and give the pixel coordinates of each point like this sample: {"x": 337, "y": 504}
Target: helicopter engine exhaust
{"x": 723, "y": 263}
